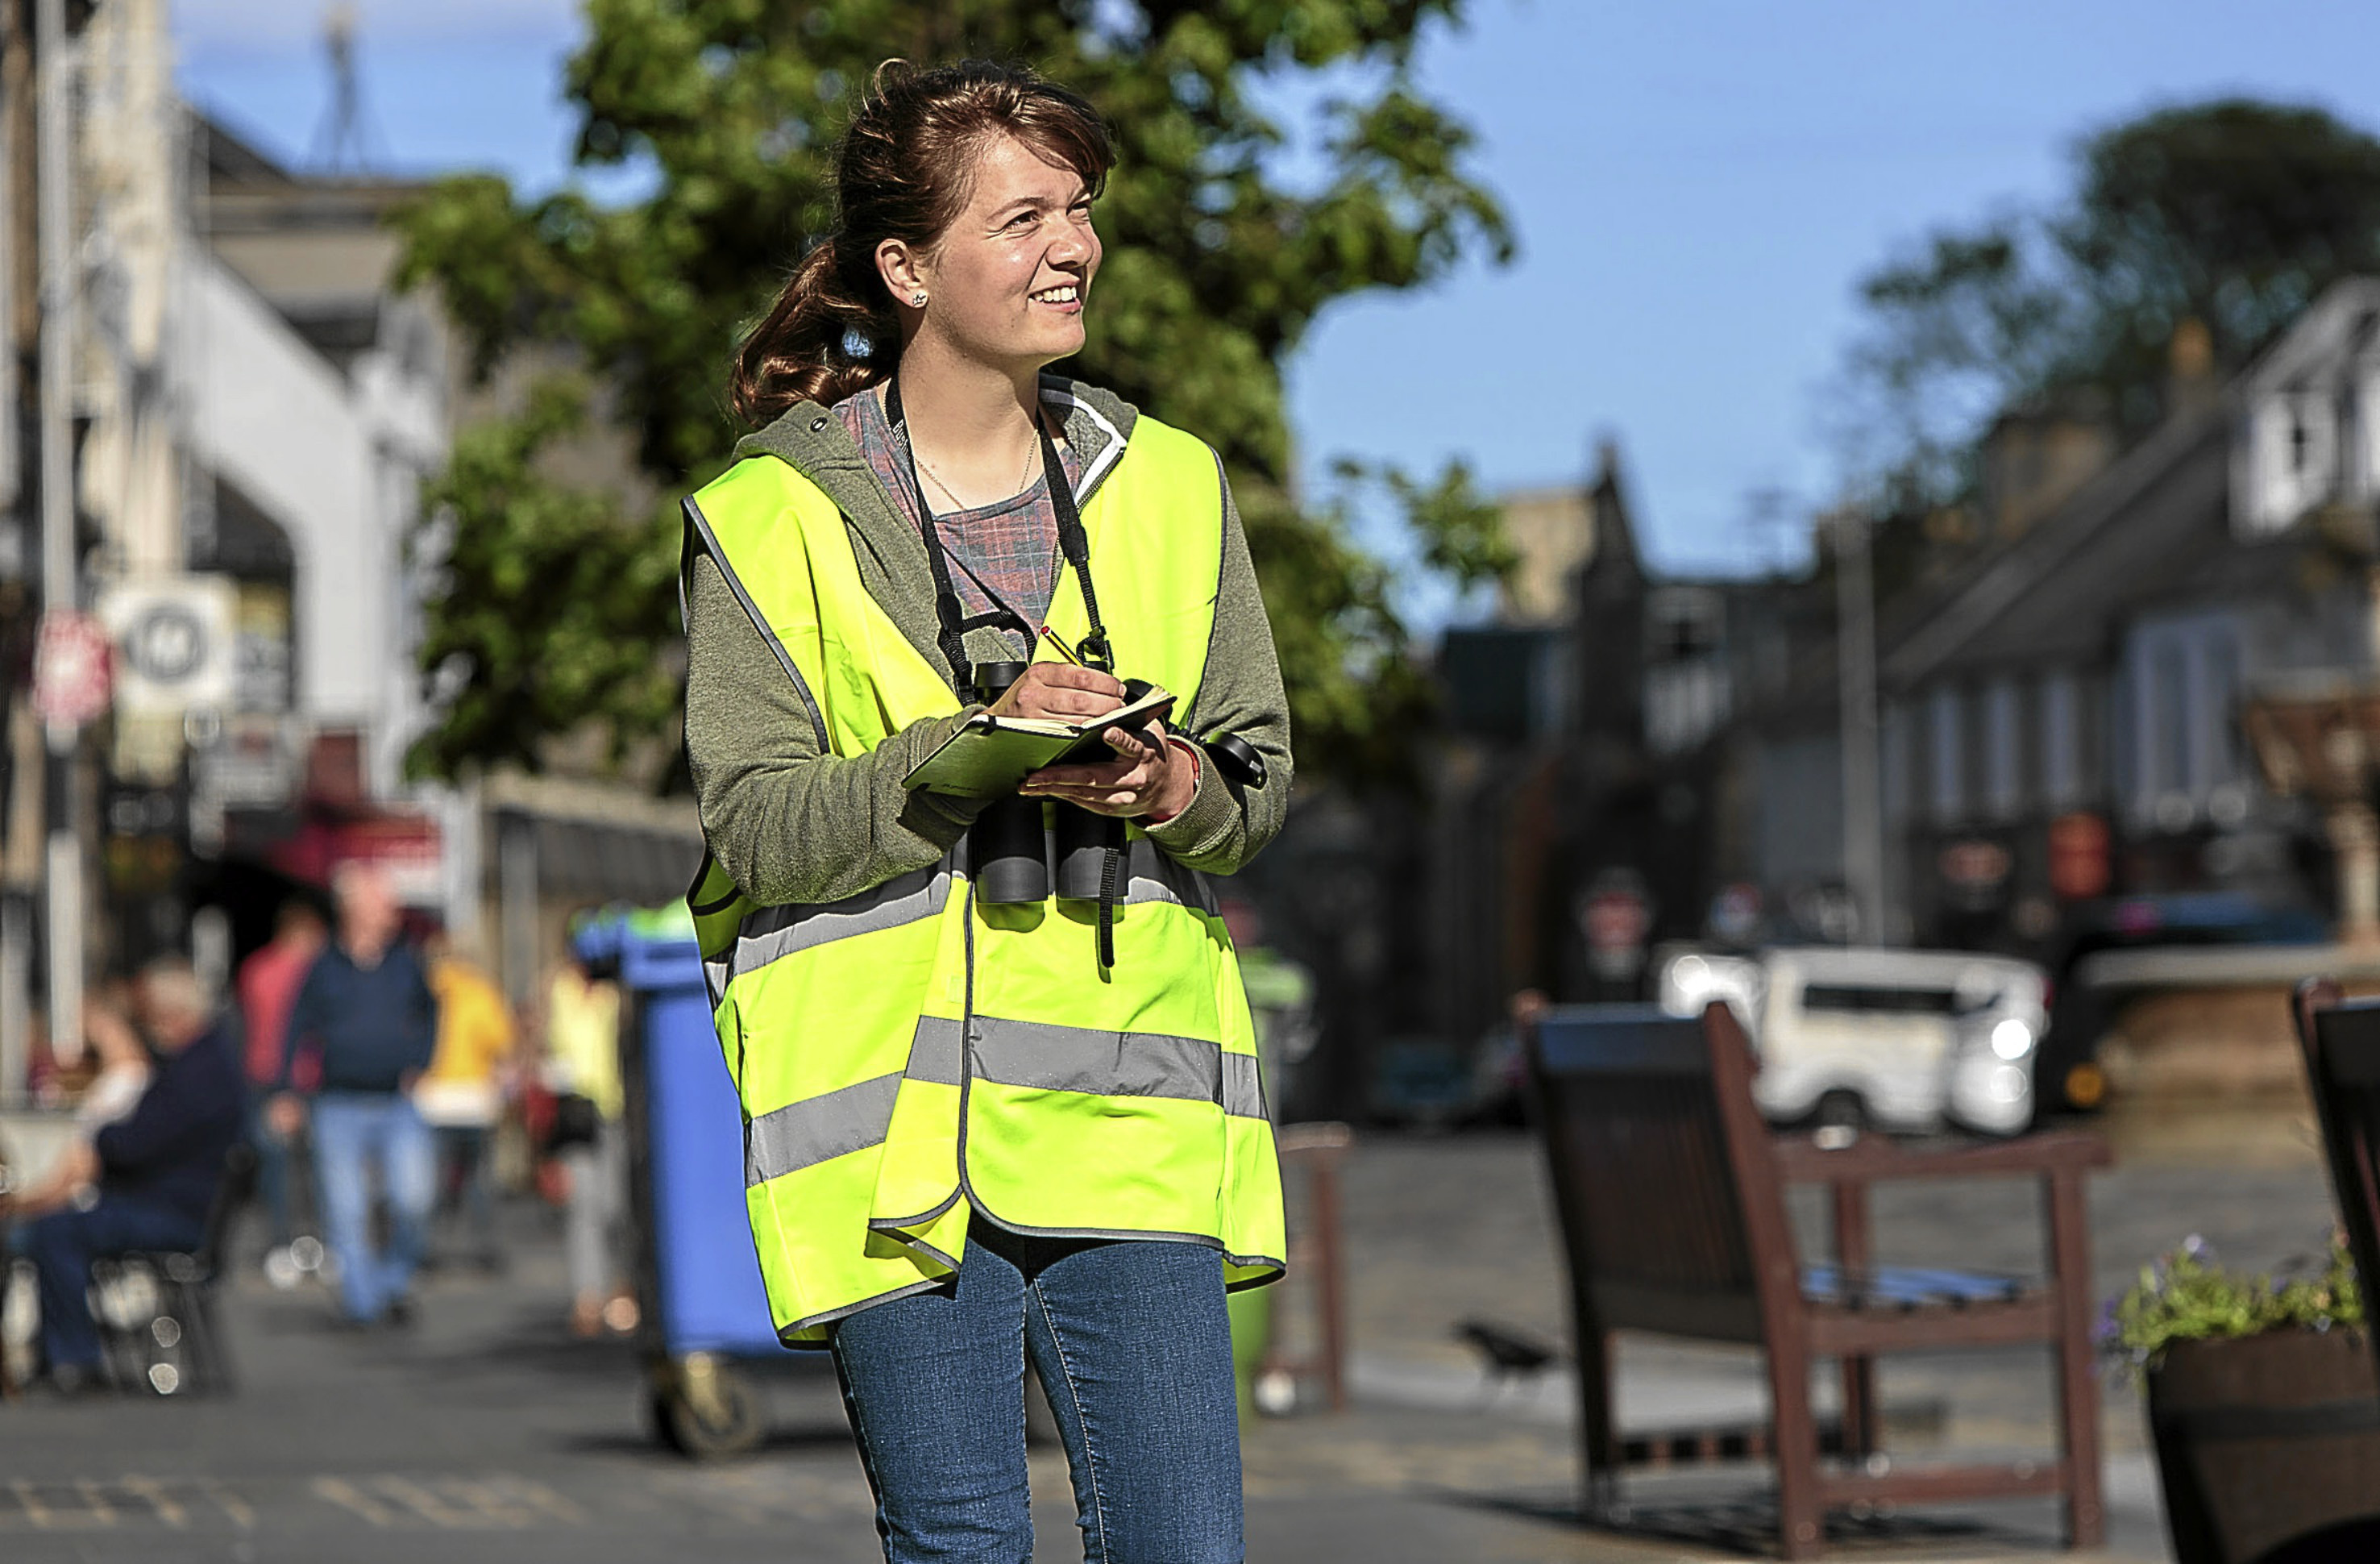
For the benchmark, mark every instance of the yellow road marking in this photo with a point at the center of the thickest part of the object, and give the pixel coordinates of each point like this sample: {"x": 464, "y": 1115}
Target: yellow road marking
{"x": 231, "y": 1504}
{"x": 347, "y": 1496}
{"x": 164, "y": 1503}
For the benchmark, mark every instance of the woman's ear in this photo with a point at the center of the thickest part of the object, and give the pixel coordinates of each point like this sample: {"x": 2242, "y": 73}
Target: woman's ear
{"x": 904, "y": 272}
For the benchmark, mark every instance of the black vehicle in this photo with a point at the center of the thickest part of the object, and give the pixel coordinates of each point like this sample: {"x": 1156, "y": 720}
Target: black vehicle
{"x": 2067, "y": 1076}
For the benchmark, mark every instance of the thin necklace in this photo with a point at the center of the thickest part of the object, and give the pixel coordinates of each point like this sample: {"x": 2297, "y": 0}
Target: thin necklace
{"x": 1030, "y": 456}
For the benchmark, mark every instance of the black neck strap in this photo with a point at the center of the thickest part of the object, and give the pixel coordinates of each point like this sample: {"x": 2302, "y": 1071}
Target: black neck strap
{"x": 1073, "y": 543}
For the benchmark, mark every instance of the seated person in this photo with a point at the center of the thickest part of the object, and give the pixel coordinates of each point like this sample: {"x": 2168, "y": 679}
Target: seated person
{"x": 114, "y": 1091}
{"x": 150, "y": 1176}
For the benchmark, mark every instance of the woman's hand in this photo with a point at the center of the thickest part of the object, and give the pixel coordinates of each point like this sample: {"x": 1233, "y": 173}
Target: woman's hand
{"x": 1152, "y": 777}
{"x": 1060, "y": 691}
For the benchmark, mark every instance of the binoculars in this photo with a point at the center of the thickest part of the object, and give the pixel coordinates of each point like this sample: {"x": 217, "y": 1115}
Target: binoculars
{"x": 1011, "y": 856}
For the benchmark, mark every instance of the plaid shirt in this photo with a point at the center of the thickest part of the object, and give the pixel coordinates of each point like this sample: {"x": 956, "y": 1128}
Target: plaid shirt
{"x": 1008, "y": 550}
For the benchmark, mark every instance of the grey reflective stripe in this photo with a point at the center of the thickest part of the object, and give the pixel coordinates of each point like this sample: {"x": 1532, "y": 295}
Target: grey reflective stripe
{"x": 1242, "y": 1086}
{"x": 715, "y": 973}
{"x": 772, "y": 932}
{"x": 936, "y": 1051}
{"x": 1111, "y": 1064}
{"x": 805, "y": 1133}
{"x": 1155, "y": 876}
{"x": 1077, "y": 1059}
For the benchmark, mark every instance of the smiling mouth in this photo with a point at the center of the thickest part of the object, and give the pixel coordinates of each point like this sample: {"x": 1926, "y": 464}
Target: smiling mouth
{"x": 1064, "y": 293}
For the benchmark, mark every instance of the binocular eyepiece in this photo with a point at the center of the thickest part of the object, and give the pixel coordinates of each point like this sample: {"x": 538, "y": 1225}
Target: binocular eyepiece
{"x": 1013, "y": 859}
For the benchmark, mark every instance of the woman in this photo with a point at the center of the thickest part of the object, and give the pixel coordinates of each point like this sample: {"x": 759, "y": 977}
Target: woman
{"x": 582, "y": 1048}
{"x": 982, "y": 1132}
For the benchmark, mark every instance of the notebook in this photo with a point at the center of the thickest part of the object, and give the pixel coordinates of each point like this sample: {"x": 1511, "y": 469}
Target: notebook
{"x": 988, "y": 756}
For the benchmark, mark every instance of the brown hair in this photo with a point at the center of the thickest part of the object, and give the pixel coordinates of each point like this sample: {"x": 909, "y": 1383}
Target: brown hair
{"x": 902, "y": 171}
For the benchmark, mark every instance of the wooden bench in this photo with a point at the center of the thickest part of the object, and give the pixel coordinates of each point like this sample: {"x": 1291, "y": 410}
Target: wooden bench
{"x": 2340, "y": 1039}
{"x": 1671, "y": 1192}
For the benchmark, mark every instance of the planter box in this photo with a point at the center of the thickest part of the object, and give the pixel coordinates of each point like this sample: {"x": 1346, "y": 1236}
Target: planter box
{"x": 2264, "y": 1438}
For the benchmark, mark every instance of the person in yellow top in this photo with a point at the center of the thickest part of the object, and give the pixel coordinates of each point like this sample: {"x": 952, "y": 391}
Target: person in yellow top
{"x": 461, "y": 1096}
{"x": 582, "y": 1053}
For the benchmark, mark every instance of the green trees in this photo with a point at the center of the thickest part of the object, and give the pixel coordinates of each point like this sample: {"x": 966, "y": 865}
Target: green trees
{"x": 2235, "y": 213}
{"x": 720, "y": 115}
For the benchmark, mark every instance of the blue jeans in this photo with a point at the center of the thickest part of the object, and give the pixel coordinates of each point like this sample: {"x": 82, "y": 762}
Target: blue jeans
{"x": 275, "y": 1154}
{"x": 1133, "y": 1343}
{"x": 356, "y": 1132}
{"x": 62, "y": 1246}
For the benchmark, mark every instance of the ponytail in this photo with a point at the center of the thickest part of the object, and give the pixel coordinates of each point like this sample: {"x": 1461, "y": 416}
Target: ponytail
{"x": 903, "y": 173}
{"x": 803, "y": 349}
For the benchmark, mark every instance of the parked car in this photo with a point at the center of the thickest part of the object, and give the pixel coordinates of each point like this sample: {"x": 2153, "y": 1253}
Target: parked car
{"x": 2080, "y": 1013}
{"x": 1902, "y": 1039}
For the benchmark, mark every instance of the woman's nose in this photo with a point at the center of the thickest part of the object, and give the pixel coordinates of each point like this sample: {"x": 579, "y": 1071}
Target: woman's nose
{"x": 1074, "y": 246}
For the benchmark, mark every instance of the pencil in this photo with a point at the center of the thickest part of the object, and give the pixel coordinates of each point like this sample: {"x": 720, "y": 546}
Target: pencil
{"x": 1063, "y": 650}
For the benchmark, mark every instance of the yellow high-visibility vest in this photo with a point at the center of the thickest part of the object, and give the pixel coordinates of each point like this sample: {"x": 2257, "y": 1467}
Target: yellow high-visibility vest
{"x": 907, "y": 1058}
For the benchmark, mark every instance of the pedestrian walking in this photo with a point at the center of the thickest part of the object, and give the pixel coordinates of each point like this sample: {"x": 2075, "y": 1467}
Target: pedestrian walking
{"x": 268, "y": 984}
{"x": 366, "y": 1009}
{"x": 461, "y": 1097}
{"x": 995, "y": 1113}
{"x": 582, "y": 1043}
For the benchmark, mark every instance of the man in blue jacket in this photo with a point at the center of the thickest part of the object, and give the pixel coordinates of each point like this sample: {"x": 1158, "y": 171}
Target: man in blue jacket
{"x": 366, "y": 1004}
{"x": 154, "y": 1173}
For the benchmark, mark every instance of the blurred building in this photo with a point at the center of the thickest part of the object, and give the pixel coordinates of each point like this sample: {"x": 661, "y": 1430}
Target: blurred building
{"x": 258, "y": 408}
{"x": 2062, "y": 744}
{"x": 2064, "y": 723}
{"x": 2062, "y": 673}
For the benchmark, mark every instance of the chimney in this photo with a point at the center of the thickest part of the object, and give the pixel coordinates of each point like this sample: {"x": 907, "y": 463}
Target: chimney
{"x": 2035, "y": 459}
{"x": 2190, "y": 383}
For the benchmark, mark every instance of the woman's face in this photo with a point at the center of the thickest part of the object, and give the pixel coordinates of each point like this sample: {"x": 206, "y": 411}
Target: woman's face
{"x": 1006, "y": 284}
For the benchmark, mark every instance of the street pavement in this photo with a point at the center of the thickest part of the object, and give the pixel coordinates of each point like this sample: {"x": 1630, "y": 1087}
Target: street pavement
{"x": 486, "y": 1433}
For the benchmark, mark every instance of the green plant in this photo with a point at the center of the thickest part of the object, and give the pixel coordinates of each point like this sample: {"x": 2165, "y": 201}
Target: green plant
{"x": 2186, "y": 1297}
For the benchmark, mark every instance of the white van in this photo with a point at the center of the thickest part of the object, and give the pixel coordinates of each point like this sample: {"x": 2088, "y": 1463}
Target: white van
{"x": 1904, "y": 1040}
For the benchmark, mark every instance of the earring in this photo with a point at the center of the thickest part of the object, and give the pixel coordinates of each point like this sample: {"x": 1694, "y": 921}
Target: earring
{"x": 918, "y": 298}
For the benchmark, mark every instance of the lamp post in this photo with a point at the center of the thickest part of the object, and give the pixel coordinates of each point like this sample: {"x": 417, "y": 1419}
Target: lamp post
{"x": 63, "y": 858}
{"x": 1855, "y": 669}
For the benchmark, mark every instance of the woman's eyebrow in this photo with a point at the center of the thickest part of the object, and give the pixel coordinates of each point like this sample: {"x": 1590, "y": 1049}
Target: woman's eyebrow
{"x": 1040, "y": 203}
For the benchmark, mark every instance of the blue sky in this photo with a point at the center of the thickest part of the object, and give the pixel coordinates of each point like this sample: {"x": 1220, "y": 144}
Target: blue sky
{"x": 1697, "y": 186}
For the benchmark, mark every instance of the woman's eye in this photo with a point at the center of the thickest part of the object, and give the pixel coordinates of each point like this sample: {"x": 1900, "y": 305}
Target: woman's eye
{"x": 1022, "y": 219}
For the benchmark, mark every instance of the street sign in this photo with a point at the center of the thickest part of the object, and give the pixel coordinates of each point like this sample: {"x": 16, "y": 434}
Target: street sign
{"x": 174, "y": 642}
{"x": 2079, "y": 856}
{"x": 70, "y": 669}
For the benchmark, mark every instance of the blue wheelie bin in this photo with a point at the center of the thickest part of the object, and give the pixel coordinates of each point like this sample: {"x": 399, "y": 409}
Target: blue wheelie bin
{"x": 698, "y": 1282}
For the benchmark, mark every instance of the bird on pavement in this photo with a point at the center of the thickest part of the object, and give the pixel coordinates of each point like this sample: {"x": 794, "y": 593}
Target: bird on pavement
{"x": 1510, "y": 1355}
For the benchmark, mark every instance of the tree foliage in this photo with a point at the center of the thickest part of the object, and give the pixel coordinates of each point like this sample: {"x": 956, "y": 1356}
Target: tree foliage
{"x": 722, "y": 114}
{"x": 2235, "y": 213}
{"x": 550, "y": 610}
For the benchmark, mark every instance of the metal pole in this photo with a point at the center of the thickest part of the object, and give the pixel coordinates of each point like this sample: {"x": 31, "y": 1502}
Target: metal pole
{"x": 63, "y": 858}
{"x": 16, "y": 1033}
{"x": 517, "y": 869}
{"x": 1863, "y": 812}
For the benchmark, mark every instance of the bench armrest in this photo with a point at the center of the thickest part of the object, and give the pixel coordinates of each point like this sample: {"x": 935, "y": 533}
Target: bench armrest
{"x": 1872, "y": 1157}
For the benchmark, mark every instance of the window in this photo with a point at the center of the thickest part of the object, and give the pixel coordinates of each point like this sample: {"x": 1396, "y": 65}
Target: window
{"x": 1893, "y": 747}
{"x": 2003, "y": 749}
{"x": 2061, "y": 742}
{"x": 1865, "y": 1000}
{"x": 2220, "y": 761}
{"x": 2367, "y": 435}
{"x": 2293, "y": 457}
{"x": 2182, "y": 685}
{"x": 1946, "y": 757}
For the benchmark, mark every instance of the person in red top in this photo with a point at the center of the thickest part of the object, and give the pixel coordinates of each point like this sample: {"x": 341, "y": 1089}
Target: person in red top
{"x": 269, "y": 981}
